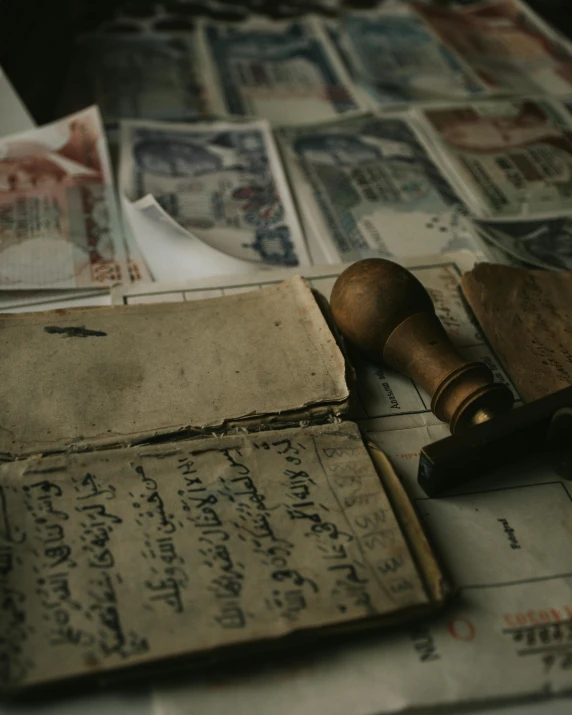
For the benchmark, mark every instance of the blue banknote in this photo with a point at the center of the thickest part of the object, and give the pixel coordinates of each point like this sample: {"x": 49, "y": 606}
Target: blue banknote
{"x": 546, "y": 243}
{"x": 370, "y": 187}
{"x": 144, "y": 76}
{"x": 222, "y": 182}
{"x": 397, "y": 58}
{"x": 386, "y": 94}
{"x": 285, "y": 72}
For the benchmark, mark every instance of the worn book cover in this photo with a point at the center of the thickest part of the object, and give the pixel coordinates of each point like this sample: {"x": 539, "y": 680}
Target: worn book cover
{"x": 177, "y": 482}
{"x": 527, "y": 317}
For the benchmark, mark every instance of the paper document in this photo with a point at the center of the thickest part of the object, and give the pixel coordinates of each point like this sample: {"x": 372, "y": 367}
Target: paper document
{"x": 511, "y": 163}
{"x": 507, "y": 634}
{"x": 224, "y": 540}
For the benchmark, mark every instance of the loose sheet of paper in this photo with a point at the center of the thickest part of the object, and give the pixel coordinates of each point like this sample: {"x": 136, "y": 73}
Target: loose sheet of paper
{"x": 120, "y": 557}
{"x": 527, "y": 318}
{"x": 509, "y": 632}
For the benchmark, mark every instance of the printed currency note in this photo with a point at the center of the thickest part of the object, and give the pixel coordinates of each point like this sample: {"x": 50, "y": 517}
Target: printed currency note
{"x": 507, "y": 45}
{"x": 162, "y": 15}
{"x": 223, "y": 182}
{"x": 367, "y": 187}
{"x": 14, "y": 116}
{"x": 144, "y": 76}
{"x": 286, "y": 72}
{"x": 496, "y": 254}
{"x": 397, "y": 58}
{"x": 512, "y": 158}
{"x": 545, "y": 244}
{"x": 59, "y": 223}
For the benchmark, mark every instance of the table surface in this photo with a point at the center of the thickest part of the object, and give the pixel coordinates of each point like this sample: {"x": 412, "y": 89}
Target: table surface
{"x": 133, "y": 701}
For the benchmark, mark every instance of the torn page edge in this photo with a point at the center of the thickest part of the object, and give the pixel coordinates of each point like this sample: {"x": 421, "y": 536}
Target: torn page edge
{"x": 318, "y": 413}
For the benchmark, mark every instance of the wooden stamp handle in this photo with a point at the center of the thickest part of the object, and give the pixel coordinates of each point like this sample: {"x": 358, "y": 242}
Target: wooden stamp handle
{"x": 383, "y": 309}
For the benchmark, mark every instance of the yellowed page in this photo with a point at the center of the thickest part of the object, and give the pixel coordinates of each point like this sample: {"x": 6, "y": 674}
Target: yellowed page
{"x": 108, "y": 375}
{"x": 120, "y": 557}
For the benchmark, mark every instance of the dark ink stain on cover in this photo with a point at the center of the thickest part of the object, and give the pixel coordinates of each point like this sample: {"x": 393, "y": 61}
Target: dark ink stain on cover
{"x": 75, "y": 332}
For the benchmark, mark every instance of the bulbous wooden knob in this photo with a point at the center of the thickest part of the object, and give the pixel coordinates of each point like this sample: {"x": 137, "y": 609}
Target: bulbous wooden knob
{"x": 383, "y": 309}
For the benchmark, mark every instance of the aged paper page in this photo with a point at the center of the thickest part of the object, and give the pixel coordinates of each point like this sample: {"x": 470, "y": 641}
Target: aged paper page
{"x": 120, "y": 557}
{"x": 527, "y": 317}
{"x": 110, "y": 375}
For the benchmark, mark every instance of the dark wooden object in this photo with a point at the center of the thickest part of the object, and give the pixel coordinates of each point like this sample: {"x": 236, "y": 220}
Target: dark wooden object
{"x": 383, "y": 309}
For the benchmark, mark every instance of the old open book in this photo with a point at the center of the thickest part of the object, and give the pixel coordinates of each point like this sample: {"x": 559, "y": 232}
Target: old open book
{"x": 176, "y": 482}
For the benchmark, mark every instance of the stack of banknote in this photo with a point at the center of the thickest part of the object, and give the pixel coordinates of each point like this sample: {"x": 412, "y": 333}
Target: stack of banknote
{"x": 255, "y": 134}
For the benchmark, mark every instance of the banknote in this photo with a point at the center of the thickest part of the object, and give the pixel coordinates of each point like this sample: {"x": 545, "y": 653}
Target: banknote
{"x": 507, "y": 45}
{"x": 143, "y": 76}
{"x": 221, "y": 181}
{"x": 544, "y": 244}
{"x": 394, "y": 55}
{"x": 510, "y": 158}
{"x": 386, "y": 95}
{"x": 367, "y": 187}
{"x": 286, "y": 72}
{"x": 59, "y": 223}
